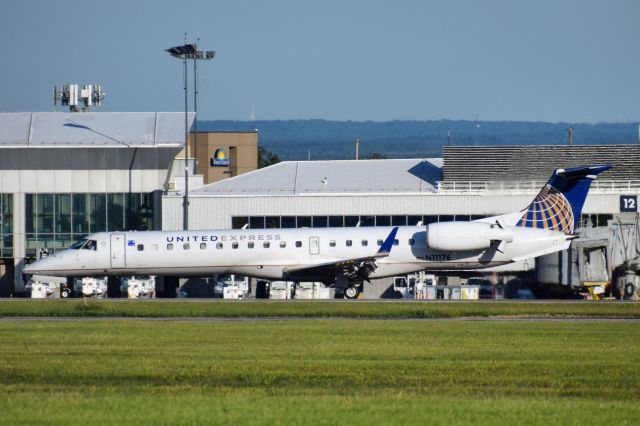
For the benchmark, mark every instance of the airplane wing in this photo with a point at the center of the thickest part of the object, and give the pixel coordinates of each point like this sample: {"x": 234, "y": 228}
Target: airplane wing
{"x": 356, "y": 269}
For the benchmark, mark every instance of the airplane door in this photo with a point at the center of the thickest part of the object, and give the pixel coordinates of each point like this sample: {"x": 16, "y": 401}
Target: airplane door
{"x": 117, "y": 250}
{"x": 314, "y": 245}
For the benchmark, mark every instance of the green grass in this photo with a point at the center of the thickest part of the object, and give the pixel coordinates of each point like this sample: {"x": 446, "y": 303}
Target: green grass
{"x": 311, "y": 309}
{"x": 319, "y": 372}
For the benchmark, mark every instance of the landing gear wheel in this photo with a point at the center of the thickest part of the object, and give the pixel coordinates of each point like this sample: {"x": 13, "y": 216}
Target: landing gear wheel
{"x": 352, "y": 292}
{"x": 629, "y": 289}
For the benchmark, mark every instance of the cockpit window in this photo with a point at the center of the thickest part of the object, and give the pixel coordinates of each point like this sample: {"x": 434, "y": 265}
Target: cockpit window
{"x": 78, "y": 244}
{"x": 90, "y": 245}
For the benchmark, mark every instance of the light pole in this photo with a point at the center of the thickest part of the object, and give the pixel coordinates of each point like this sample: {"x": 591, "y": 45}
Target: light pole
{"x": 198, "y": 55}
{"x": 184, "y": 52}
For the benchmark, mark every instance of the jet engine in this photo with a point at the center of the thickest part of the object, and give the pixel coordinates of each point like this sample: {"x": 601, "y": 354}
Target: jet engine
{"x": 462, "y": 236}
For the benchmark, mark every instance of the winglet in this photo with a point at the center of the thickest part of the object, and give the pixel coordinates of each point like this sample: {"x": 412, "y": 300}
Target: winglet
{"x": 388, "y": 242}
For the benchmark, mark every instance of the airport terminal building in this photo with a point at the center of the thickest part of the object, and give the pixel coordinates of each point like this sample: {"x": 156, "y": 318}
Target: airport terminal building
{"x": 64, "y": 175}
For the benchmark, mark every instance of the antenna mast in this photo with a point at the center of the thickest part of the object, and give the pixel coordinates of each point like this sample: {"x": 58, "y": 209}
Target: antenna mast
{"x": 76, "y": 98}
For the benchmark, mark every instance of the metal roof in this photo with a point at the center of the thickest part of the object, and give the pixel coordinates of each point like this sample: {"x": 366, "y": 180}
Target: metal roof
{"x": 341, "y": 176}
{"x": 536, "y": 162}
{"x": 92, "y": 129}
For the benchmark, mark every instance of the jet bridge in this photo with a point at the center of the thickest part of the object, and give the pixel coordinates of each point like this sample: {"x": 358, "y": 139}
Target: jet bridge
{"x": 602, "y": 258}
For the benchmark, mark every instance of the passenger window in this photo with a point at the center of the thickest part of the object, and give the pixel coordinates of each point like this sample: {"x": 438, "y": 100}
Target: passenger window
{"x": 412, "y": 242}
{"x": 234, "y": 245}
{"x": 266, "y": 244}
{"x": 203, "y": 246}
{"x": 250, "y": 244}
{"x": 169, "y": 246}
{"x": 298, "y": 244}
{"x": 379, "y": 242}
{"x": 349, "y": 243}
{"x": 140, "y": 247}
{"x": 186, "y": 246}
{"x": 283, "y": 244}
{"x": 365, "y": 243}
{"x": 219, "y": 246}
{"x": 332, "y": 243}
{"x": 396, "y": 242}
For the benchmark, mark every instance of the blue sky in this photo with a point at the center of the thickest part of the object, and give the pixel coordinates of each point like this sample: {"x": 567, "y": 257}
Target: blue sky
{"x": 543, "y": 60}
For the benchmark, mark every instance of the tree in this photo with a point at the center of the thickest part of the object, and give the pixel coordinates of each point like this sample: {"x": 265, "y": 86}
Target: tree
{"x": 266, "y": 158}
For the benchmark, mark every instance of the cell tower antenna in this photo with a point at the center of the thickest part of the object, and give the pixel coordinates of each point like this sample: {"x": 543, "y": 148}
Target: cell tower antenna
{"x": 78, "y": 98}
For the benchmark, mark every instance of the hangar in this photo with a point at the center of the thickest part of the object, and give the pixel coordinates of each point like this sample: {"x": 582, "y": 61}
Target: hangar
{"x": 467, "y": 183}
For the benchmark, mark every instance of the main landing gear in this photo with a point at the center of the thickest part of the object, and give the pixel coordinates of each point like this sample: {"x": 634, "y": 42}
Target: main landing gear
{"x": 352, "y": 292}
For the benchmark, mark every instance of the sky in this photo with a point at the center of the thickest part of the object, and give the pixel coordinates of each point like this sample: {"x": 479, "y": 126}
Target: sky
{"x": 543, "y": 60}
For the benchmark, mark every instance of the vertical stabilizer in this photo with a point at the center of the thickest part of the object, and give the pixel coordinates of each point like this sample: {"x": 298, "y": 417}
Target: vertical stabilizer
{"x": 559, "y": 204}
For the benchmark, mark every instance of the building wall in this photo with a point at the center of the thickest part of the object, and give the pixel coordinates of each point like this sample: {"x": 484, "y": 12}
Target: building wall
{"x": 217, "y": 212}
{"x": 30, "y": 173}
{"x": 241, "y": 148}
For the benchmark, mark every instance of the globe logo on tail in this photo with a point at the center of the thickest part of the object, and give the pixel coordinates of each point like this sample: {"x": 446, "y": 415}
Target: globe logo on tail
{"x": 549, "y": 210}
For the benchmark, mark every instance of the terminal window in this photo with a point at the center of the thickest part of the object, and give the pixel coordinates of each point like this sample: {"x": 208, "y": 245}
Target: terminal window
{"x": 261, "y": 222}
{"x": 6, "y": 225}
{"x": 55, "y": 221}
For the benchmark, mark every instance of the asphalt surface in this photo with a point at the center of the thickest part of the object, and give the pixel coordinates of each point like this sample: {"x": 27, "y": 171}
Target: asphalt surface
{"x": 253, "y": 300}
{"x": 556, "y": 319}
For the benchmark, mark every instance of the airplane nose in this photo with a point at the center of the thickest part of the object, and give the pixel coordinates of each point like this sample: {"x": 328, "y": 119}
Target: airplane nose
{"x": 37, "y": 267}
{"x": 30, "y": 268}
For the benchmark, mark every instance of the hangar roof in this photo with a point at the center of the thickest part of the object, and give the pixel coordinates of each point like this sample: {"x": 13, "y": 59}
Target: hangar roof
{"x": 92, "y": 129}
{"x": 342, "y": 176}
{"x": 536, "y": 162}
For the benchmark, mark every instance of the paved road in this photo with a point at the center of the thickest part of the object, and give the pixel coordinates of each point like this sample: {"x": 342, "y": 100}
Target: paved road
{"x": 218, "y": 300}
{"x": 257, "y": 319}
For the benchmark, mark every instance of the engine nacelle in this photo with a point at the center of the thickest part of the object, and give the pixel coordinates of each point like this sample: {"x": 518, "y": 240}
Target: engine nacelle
{"x": 461, "y": 236}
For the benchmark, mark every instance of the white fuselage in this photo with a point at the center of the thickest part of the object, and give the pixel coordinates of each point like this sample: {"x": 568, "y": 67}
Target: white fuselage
{"x": 268, "y": 253}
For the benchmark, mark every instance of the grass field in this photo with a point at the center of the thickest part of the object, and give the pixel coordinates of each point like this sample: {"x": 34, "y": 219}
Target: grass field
{"x": 319, "y": 372}
{"x": 169, "y": 308}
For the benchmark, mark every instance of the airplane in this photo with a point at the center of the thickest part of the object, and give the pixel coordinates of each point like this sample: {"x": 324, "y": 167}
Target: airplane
{"x": 343, "y": 258}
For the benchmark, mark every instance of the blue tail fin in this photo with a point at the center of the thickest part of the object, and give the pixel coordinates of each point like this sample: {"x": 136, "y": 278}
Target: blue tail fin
{"x": 559, "y": 204}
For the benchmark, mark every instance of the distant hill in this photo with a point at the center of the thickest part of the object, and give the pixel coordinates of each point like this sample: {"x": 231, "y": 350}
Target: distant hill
{"x": 326, "y": 140}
